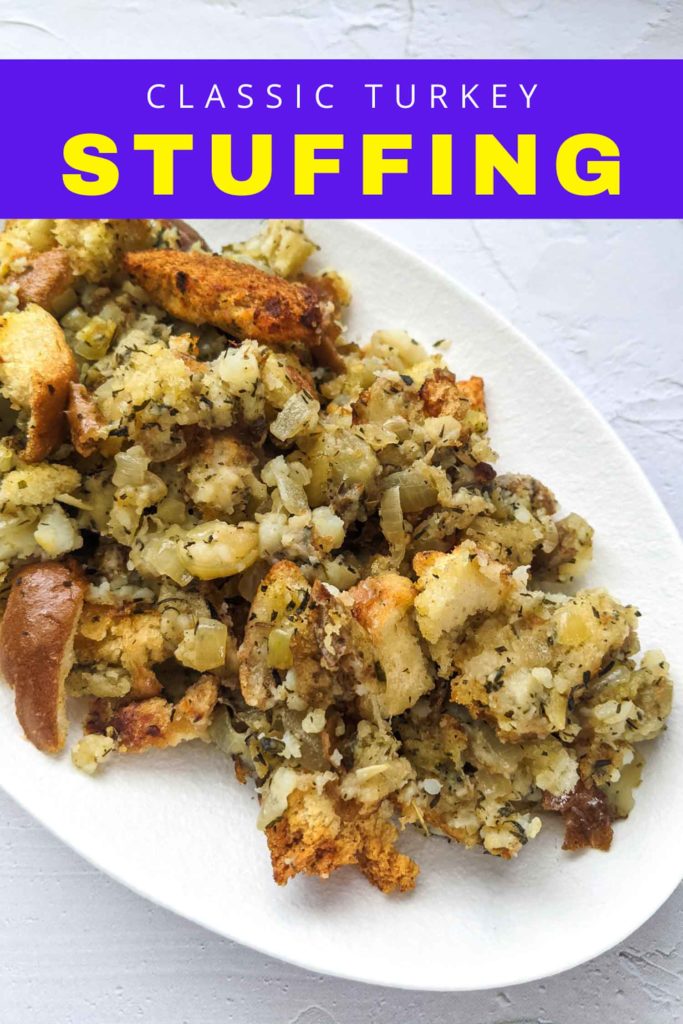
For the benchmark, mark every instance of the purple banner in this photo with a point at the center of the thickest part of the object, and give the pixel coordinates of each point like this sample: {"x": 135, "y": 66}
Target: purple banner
{"x": 317, "y": 138}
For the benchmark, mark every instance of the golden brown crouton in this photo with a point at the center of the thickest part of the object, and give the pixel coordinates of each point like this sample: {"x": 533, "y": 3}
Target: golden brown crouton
{"x": 317, "y": 834}
{"x": 85, "y": 420}
{"x": 156, "y": 722}
{"x": 473, "y": 390}
{"x": 36, "y": 647}
{"x": 384, "y": 607}
{"x": 443, "y": 395}
{"x": 235, "y": 297}
{"x": 47, "y": 277}
{"x": 36, "y": 368}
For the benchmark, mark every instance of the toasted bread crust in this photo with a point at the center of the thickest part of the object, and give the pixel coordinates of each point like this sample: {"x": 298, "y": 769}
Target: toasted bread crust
{"x": 156, "y": 722}
{"x": 305, "y": 841}
{"x": 380, "y": 601}
{"x": 36, "y": 647}
{"x": 235, "y": 297}
{"x": 85, "y": 422}
{"x": 48, "y": 276}
{"x": 36, "y": 369}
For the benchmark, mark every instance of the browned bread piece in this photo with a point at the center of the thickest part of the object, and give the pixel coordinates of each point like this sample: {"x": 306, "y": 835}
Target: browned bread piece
{"x": 587, "y": 817}
{"x": 443, "y": 395}
{"x": 85, "y": 421}
{"x": 36, "y": 647}
{"x": 237, "y": 298}
{"x": 318, "y": 834}
{"x": 45, "y": 280}
{"x": 36, "y": 368}
{"x": 156, "y": 722}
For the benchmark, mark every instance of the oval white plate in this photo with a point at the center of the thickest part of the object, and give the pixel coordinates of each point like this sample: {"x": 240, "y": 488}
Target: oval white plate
{"x": 176, "y": 827}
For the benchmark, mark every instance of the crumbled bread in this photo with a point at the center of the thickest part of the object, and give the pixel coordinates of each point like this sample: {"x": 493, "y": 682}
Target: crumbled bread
{"x": 456, "y": 586}
{"x": 383, "y": 605}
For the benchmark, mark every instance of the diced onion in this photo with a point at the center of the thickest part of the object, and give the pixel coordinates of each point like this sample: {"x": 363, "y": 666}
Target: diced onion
{"x": 131, "y": 467}
{"x": 203, "y": 648}
{"x": 279, "y": 649}
{"x": 299, "y": 415}
{"x": 417, "y": 493}
{"x": 391, "y": 517}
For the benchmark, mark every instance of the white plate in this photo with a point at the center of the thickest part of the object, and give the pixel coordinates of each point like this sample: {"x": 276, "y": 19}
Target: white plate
{"x": 176, "y": 827}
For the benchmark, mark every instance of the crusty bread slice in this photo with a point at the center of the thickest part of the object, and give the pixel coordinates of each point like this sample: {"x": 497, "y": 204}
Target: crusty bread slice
{"x": 36, "y": 647}
{"x": 236, "y": 297}
{"x": 36, "y": 368}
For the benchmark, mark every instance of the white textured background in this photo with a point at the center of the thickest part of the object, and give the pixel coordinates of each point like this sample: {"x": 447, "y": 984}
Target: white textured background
{"x": 604, "y": 299}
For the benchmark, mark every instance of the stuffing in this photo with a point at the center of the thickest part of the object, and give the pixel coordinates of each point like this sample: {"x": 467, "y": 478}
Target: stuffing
{"x": 178, "y": 234}
{"x": 525, "y": 671}
{"x": 36, "y": 368}
{"x": 443, "y": 395}
{"x": 220, "y": 476}
{"x": 93, "y": 248}
{"x": 628, "y": 702}
{"x": 223, "y": 519}
{"x": 283, "y": 376}
{"x": 96, "y": 247}
{"x": 38, "y": 485}
{"x": 572, "y": 553}
{"x": 377, "y": 770}
{"x": 266, "y": 647}
{"x": 282, "y": 247}
{"x": 90, "y": 751}
{"x": 125, "y": 637}
{"x": 307, "y": 635}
